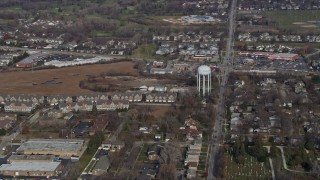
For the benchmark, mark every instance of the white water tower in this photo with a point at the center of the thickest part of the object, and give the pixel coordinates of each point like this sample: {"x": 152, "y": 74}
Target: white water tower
{"x": 204, "y": 80}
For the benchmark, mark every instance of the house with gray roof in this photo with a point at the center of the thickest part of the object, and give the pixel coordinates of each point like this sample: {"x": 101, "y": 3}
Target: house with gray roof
{"x": 101, "y": 166}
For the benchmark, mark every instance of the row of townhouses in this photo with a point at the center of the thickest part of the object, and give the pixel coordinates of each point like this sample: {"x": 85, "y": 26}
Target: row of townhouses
{"x": 27, "y": 103}
{"x": 106, "y": 105}
{"x": 161, "y": 97}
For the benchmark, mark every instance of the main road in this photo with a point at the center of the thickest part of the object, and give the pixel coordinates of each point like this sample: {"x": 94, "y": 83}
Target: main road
{"x": 226, "y": 68}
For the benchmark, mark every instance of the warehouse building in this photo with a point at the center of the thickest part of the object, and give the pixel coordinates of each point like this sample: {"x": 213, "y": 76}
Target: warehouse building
{"x": 44, "y": 169}
{"x": 59, "y": 147}
{"x": 271, "y": 56}
{"x": 31, "y": 158}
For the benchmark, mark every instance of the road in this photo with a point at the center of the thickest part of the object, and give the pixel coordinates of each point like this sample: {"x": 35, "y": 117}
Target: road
{"x": 313, "y": 54}
{"x": 55, "y": 51}
{"x": 227, "y": 65}
{"x": 6, "y": 140}
{"x": 285, "y": 163}
{"x": 271, "y": 164}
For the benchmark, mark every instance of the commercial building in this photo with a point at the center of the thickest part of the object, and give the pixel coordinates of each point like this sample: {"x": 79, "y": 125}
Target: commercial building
{"x": 31, "y": 158}
{"x": 283, "y": 56}
{"x": 44, "y": 169}
{"x": 271, "y": 56}
{"x": 31, "y": 60}
{"x": 59, "y": 147}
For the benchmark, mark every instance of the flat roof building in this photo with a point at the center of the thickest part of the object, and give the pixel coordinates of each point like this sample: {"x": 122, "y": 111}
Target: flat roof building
{"x": 272, "y": 56}
{"x": 284, "y": 56}
{"x": 60, "y": 147}
{"x": 31, "y": 158}
{"x": 46, "y": 169}
{"x": 31, "y": 60}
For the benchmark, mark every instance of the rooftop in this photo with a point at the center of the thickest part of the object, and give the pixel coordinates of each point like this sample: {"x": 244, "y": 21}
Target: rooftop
{"x": 30, "y": 166}
{"x": 51, "y": 145}
{"x": 31, "y": 157}
{"x": 33, "y": 58}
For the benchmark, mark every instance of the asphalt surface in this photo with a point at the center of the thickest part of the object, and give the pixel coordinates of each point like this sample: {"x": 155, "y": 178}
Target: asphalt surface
{"x": 227, "y": 65}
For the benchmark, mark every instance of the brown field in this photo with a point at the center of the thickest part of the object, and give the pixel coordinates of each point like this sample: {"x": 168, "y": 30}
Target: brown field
{"x": 33, "y": 83}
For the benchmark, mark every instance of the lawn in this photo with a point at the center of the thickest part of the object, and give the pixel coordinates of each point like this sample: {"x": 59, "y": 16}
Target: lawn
{"x": 144, "y": 151}
{"x": 90, "y": 166}
{"x": 41, "y": 135}
{"x": 7, "y": 151}
{"x": 85, "y": 159}
{"x": 147, "y": 52}
{"x": 21, "y": 82}
{"x": 202, "y": 163}
{"x": 252, "y": 169}
{"x": 100, "y": 34}
{"x": 291, "y": 19}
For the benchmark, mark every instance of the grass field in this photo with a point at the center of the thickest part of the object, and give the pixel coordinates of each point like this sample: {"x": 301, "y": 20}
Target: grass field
{"x": 147, "y": 52}
{"x": 85, "y": 159}
{"x": 90, "y": 166}
{"x": 291, "y": 19}
{"x": 252, "y": 169}
{"x": 21, "y": 82}
{"x": 144, "y": 153}
{"x": 43, "y": 134}
{"x": 100, "y": 34}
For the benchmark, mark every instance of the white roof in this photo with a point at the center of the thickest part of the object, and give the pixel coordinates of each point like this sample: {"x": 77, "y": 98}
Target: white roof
{"x": 51, "y": 145}
{"x": 204, "y": 70}
{"x": 30, "y": 166}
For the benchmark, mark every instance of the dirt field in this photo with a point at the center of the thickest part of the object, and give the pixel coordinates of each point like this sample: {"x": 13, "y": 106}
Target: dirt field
{"x": 57, "y": 81}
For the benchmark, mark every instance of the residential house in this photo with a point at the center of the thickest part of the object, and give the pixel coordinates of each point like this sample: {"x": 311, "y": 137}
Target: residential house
{"x": 131, "y": 97}
{"x": 102, "y": 166}
{"x": 103, "y": 97}
{"x": 2, "y": 99}
{"x": 67, "y": 107}
{"x": 299, "y": 87}
{"x": 92, "y": 98}
{"x": 105, "y": 105}
{"x": 99, "y": 125}
{"x": 23, "y": 98}
{"x": 53, "y": 100}
{"x": 25, "y": 107}
{"x": 117, "y": 146}
{"x": 116, "y": 96}
{"x": 7, "y": 120}
{"x": 80, "y": 98}
{"x": 112, "y": 146}
{"x": 84, "y": 106}
{"x": 123, "y": 104}
{"x": 150, "y": 98}
{"x": 154, "y": 152}
{"x": 191, "y": 173}
{"x": 110, "y": 105}
{"x": 106, "y": 145}
{"x": 135, "y": 97}
{"x": 13, "y": 99}
{"x": 37, "y": 100}
{"x": 68, "y": 99}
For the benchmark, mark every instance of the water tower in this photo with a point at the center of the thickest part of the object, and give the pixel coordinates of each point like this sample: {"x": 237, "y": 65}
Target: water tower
{"x": 204, "y": 80}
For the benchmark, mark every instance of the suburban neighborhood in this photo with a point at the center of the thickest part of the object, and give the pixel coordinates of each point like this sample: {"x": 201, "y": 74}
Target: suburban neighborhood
{"x": 142, "y": 90}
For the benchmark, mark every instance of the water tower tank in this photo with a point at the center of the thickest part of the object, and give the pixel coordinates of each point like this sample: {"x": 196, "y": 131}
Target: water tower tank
{"x": 204, "y": 70}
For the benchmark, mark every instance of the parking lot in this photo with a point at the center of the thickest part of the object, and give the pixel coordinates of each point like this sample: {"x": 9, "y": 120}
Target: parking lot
{"x": 266, "y": 64}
